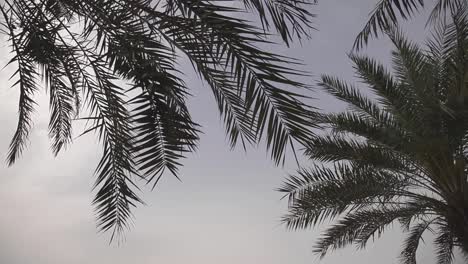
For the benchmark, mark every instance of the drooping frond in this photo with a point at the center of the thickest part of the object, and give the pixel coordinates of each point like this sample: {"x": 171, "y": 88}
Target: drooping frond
{"x": 279, "y": 115}
{"x": 411, "y": 244}
{"x": 115, "y": 195}
{"x": 384, "y": 16}
{"x": 290, "y": 18}
{"x": 444, "y": 244}
{"x": 26, "y": 76}
{"x": 61, "y": 77}
{"x": 62, "y": 109}
{"x": 387, "y": 13}
{"x": 163, "y": 133}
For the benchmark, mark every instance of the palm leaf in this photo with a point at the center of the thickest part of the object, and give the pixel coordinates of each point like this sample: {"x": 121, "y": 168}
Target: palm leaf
{"x": 384, "y": 16}
{"x": 324, "y": 193}
{"x": 359, "y": 227}
{"x": 26, "y": 75}
{"x": 444, "y": 247}
{"x": 411, "y": 244}
{"x": 289, "y": 18}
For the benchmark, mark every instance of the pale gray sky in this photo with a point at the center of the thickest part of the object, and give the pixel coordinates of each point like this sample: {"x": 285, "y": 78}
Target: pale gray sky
{"x": 225, "y": 211}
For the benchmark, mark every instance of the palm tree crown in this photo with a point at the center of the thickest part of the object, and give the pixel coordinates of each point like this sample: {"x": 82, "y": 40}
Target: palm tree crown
{"x": 82, "y": 48}
{"x": 398, "y": 154}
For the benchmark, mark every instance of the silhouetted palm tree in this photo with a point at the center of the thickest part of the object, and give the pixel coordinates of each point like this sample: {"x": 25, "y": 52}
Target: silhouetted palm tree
{"x": 386, "y": 12}
{"x": 82, "y": 48}
{"x": 400, "y": 153}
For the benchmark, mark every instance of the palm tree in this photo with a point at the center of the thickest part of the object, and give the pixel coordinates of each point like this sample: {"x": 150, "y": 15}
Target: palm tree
{"x": 82, "y": 51}
{"x": 387, "y": 12}
{"x": 399, "y": 154}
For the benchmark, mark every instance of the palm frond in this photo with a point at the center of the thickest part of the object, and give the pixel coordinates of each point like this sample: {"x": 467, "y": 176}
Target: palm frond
{"x": 384, "y": 133}
{"x": 381, "y": 82}
{"x": 350, "y": 94}
{"x": 440, "y": 47}
{"x": 279, "y": 114}
{"x": 402, "y": 103}
{"x": 163, "y": 133}
{"x": 439, "y": 12}
{"x": 408, "y": 61}
{"x": 62, "y": 109}
{"x": 411, "y": 244}
{"x": 26, "y": 81}
{"x": 290, "y": 18}
{"x": 163, "y": 127}
{"x": 444, "y": 244}
{"x": 387, "y": 13}
{"x": 115, "y": 196}
{"x": 384, "y": 16}
{"x": 359, "y": 227}
{"x": 338, "y": 148}
{"x": 324, "y": 193}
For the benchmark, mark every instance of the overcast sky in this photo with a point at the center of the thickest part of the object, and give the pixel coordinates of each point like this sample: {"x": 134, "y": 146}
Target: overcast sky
{"x": 224, "y": 212}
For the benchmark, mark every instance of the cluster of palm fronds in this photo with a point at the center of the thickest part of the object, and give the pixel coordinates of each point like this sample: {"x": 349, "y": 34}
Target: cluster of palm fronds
{"x": 400, "y": 157}
{"x": 80, "y": 49}
{"x": 398, "y": 154}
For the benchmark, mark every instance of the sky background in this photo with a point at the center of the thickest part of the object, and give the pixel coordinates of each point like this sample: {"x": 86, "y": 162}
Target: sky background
{"x": 226, "y": 210}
